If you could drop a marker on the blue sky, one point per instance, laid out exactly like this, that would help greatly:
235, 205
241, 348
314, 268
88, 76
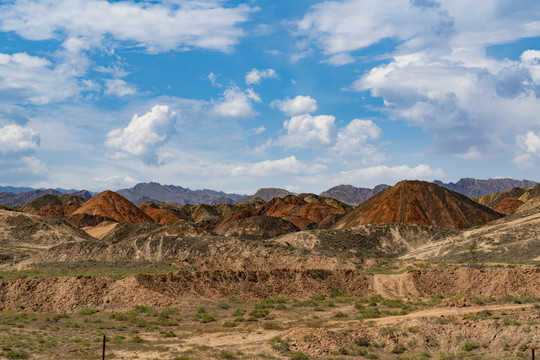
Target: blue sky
237, 95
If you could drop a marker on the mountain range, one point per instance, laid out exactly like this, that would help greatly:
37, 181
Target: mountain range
348, 194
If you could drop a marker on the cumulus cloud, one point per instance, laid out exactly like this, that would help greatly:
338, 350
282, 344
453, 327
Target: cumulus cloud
530, 142
255, 76
16, 139
305, 131
143, 135
17, 161
438, 76
297, 106
289, 165
154, 26
352, 139
118, 87
236, 104
26, 79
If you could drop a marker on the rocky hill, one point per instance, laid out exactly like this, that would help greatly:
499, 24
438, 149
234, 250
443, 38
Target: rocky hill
23, 234
267, 194
422, 203
353, 195
521, 193
175, 195
112, 205
508, 205
474, 187
257, 227
53, 204
291, 208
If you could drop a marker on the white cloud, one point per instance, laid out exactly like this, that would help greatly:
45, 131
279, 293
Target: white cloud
118, 87
341, 59
289, 165
297, 106
530, 142
213, 80
352, 139
439, 77
156, 27
143, 135
255, 76
113, 182
374, 175
236, 104
259, 130
15, 139
32, 79
305, 131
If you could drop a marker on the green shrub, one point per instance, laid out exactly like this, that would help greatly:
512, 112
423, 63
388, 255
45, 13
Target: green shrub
239, 312
469, 346
137, 339
17, 354
298, 355
88, 311
399, 349
223, 305
230, 323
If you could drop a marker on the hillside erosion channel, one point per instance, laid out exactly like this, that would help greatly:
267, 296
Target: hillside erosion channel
60, 294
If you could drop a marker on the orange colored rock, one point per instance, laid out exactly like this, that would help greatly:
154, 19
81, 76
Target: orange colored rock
508, 205
114, 206
419, 202
160, 216
290, 208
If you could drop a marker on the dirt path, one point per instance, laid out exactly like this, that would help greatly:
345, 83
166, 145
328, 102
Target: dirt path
451, 311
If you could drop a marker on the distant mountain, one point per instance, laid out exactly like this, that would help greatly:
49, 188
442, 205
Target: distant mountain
352, 195
267, 194
176, 195
11, 199
422, 203
15, 190
474, 188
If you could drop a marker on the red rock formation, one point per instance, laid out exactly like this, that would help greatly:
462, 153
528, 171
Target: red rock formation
58, 211
160, 216
508, 205
422, 203
114, 206
290, 208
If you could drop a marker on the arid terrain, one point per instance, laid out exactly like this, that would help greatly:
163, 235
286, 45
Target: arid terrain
417, 271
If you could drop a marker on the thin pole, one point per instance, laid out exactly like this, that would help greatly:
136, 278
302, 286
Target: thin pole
104, 339
532, 354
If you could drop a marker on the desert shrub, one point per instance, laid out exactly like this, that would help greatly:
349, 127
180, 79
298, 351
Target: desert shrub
271, 325
387, 330
339, 314
399, 349
318, 297
207, 318
413, 329
230, 323
169, 334
259, 313
239, 312
17, 354
361, 341
469, 346
137, 339
298, 355
223, 305
148, 310
279, 344
224, 354
88, 311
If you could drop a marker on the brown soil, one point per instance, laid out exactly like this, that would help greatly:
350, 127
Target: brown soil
508, 205
99, 231
68, 294
160, 216
58, 211
422, 203
114, 206
291, 208
256, 227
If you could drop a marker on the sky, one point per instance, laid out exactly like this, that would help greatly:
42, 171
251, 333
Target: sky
239, 95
